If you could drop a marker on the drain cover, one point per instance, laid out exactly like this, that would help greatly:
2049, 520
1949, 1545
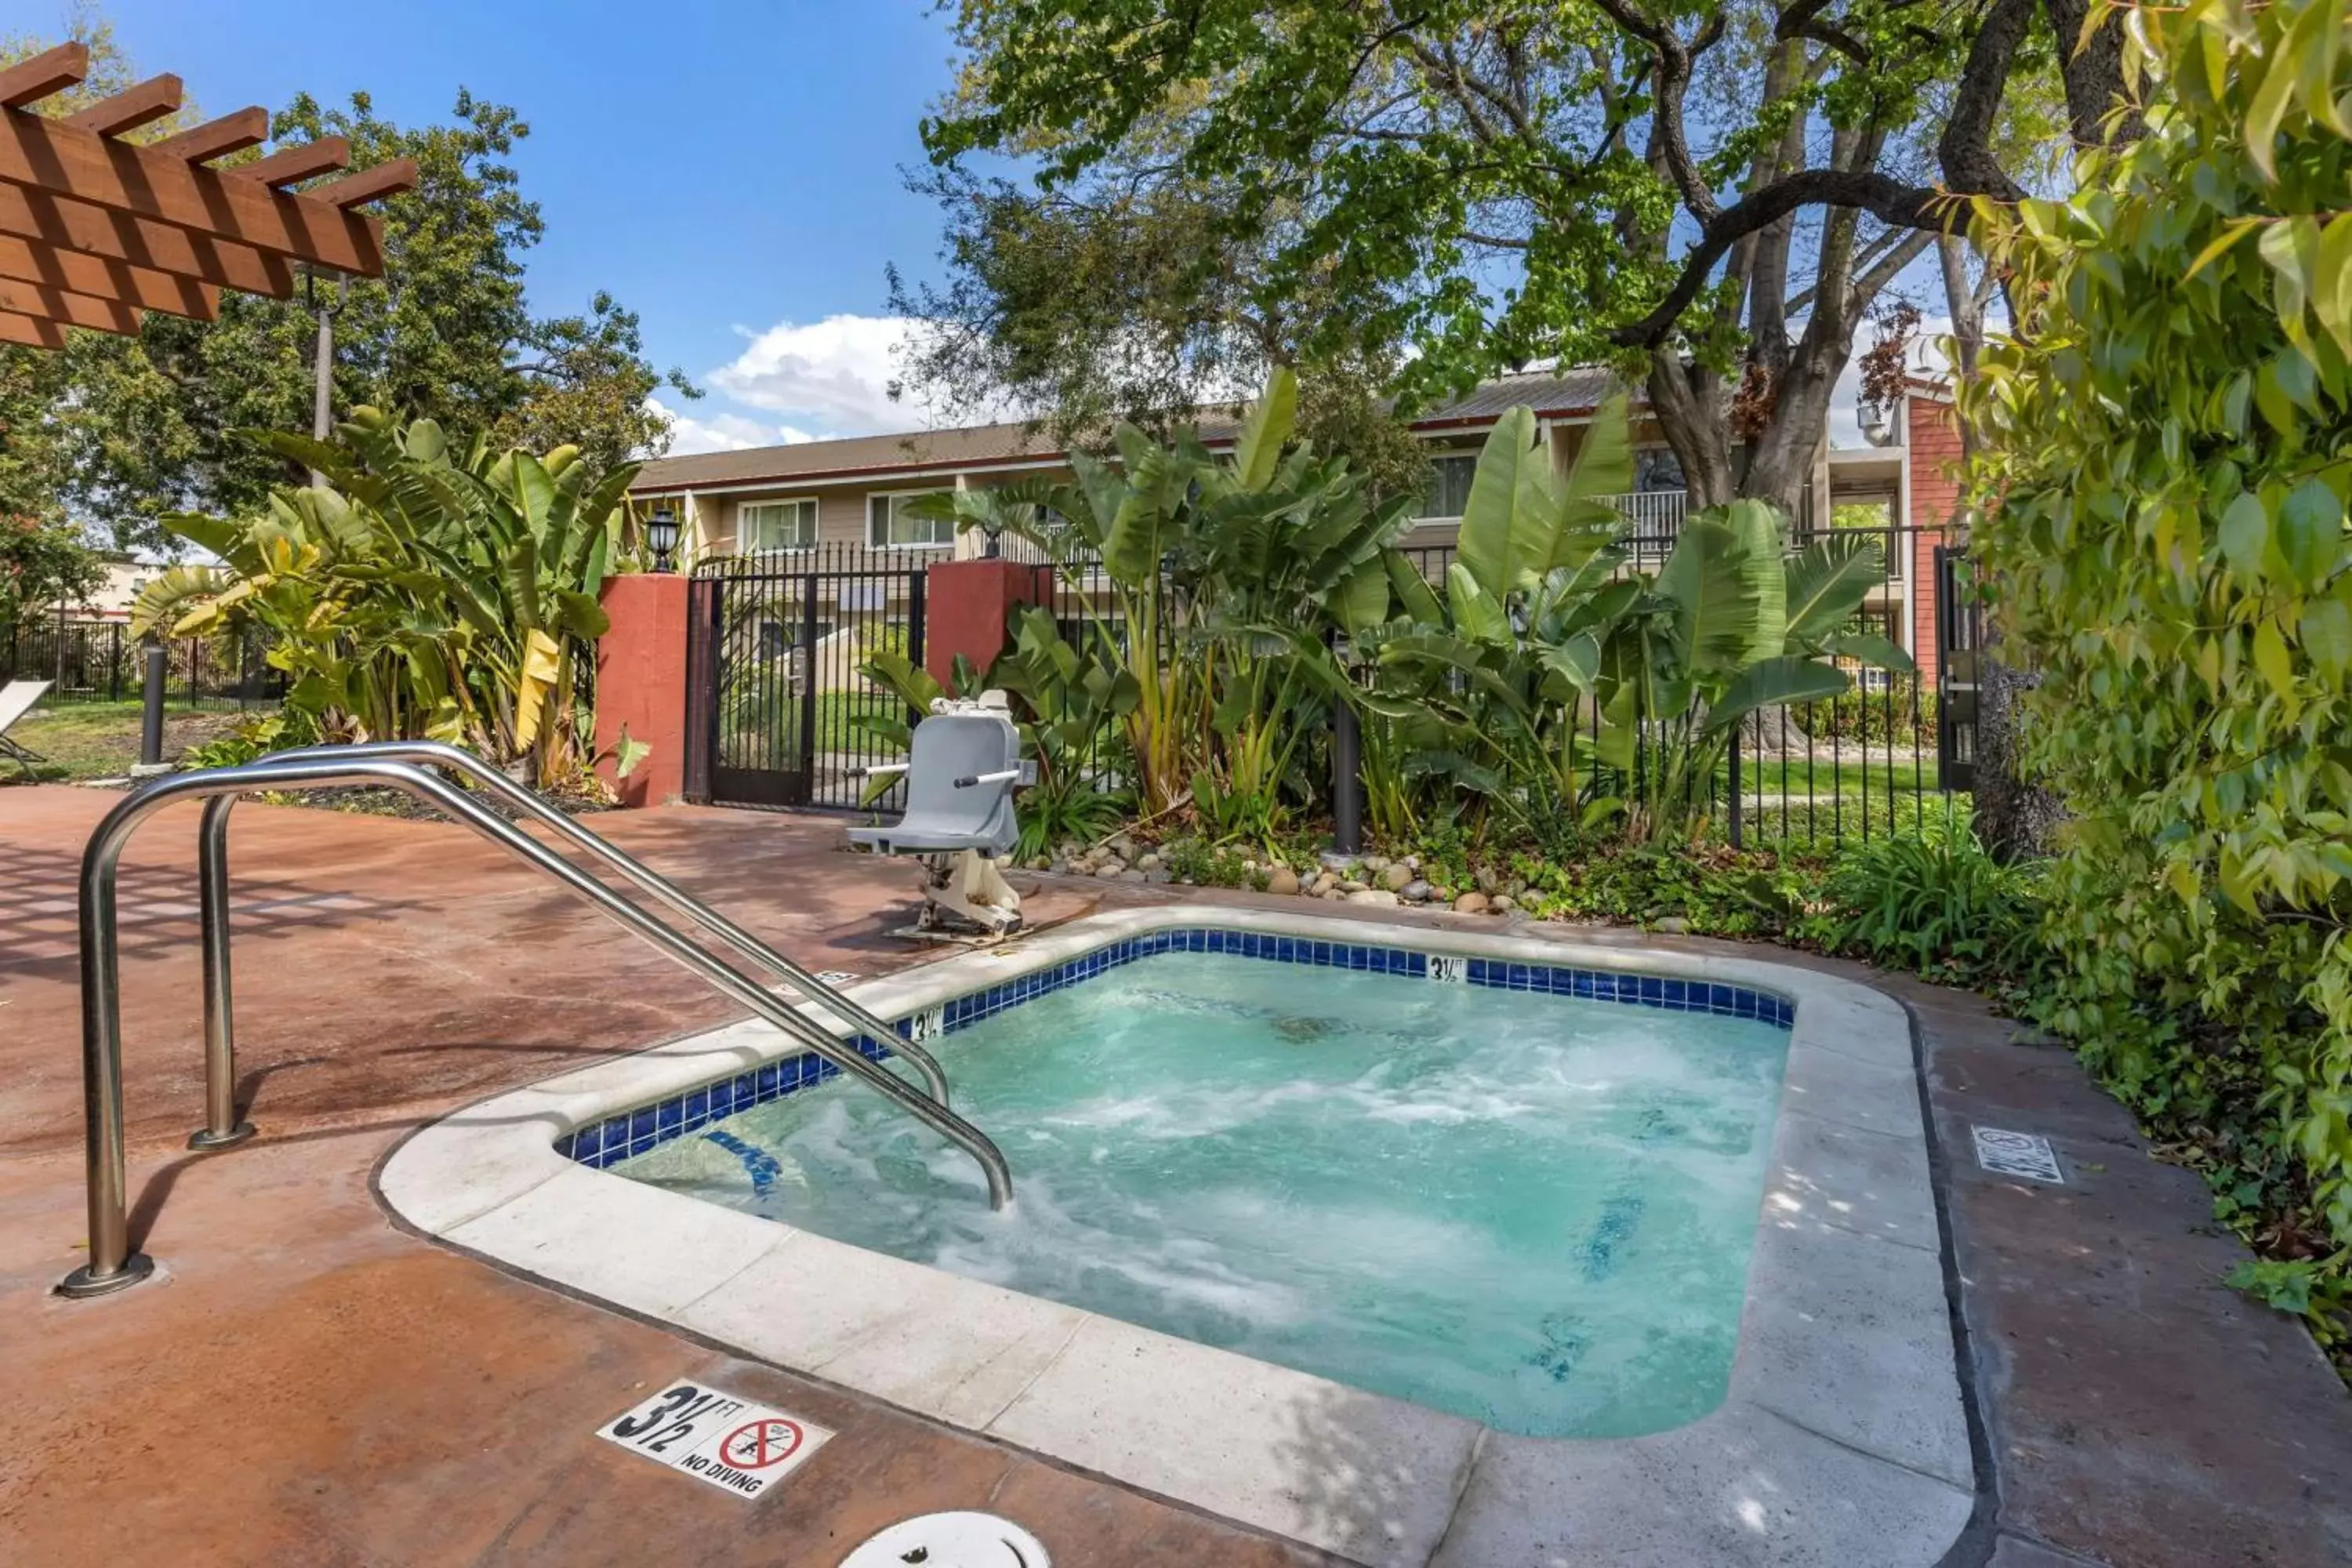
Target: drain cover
951, 1540
2025, 1155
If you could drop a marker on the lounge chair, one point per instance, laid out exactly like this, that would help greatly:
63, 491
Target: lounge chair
961, 771
16, 700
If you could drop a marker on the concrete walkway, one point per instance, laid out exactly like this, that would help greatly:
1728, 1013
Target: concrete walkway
312, 1385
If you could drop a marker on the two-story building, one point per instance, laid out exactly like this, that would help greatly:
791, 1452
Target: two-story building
828, 498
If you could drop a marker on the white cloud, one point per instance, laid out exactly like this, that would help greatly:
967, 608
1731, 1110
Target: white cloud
832, 376
722, 432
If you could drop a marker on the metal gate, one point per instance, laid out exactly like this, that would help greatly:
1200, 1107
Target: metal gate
1959, 633
777, 712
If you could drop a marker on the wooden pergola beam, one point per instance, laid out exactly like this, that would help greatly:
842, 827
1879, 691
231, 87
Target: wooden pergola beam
385, 179
30, 261
81, 165
292, 165
143, 242
43, 303
31, 332
217, 138
53, 70
132, 108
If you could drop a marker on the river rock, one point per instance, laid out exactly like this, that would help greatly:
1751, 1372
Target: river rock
1375, 863
1379, 898
1150, 861
1488, 881
1672, 925
1501, 903
1157, 876
1416, 892
1282, 879
1326, 883
1353, 885
1395, 876
1471, 903
1110, 868
1331, 895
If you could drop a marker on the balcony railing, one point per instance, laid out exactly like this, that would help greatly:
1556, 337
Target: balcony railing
1655, 518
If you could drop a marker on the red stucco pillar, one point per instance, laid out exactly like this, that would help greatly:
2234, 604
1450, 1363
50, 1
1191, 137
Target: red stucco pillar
641, 684
964, 606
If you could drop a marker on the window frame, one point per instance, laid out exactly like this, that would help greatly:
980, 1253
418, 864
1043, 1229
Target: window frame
1444, 453
743, 525
894, 496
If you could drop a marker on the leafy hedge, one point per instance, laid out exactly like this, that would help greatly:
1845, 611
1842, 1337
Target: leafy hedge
2167, 450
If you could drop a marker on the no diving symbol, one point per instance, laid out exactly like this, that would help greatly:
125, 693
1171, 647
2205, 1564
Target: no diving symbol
760, 1444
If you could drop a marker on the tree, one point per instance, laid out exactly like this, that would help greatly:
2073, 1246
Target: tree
1134, 300
151, 426
1712, 198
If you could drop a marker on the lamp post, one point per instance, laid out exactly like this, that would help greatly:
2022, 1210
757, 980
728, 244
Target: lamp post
661, 536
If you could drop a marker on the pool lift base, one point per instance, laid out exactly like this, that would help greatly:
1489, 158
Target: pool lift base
965, 899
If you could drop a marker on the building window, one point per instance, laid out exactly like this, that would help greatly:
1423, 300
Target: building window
1657, 468
889, 527
1448, 495
770, 525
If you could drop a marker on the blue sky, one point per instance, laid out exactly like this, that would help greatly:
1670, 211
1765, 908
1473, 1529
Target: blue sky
729, 170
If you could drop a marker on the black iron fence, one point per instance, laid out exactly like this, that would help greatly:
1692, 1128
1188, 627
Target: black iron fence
101, 661
784, 713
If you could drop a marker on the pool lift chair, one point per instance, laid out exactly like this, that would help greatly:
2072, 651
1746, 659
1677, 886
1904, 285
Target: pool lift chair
961, 769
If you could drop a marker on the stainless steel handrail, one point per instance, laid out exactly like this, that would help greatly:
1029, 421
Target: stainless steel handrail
112, 1265
212, 858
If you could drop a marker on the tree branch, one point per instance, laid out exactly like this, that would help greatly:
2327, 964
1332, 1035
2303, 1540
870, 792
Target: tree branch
1673, 74
1965, 149
1882, 195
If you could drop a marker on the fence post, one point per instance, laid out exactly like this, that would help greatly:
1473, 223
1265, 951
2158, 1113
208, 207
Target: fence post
806, 750
1735, 728
114, 666
1347, 784
150, 718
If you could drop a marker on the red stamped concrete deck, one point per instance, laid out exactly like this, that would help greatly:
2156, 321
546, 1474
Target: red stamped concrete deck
312, 1385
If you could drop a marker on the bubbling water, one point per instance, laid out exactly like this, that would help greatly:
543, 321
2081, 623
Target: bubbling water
1525, 1209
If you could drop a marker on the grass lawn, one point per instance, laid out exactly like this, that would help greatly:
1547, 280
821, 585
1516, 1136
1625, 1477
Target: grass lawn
101, 739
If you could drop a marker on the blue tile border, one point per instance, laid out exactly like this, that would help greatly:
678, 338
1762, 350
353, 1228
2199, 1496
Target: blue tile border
633, 1132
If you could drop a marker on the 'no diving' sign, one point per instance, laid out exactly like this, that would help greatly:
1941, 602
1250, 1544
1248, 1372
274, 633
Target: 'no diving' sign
736, 1445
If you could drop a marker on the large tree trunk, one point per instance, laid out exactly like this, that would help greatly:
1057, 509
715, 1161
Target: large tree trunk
1689, 402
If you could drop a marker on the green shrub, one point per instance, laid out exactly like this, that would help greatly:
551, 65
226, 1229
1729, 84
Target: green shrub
253, 738
2162, 464
1209, 865
1941, 908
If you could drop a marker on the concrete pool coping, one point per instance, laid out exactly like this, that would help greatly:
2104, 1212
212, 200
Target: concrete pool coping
1842, 1438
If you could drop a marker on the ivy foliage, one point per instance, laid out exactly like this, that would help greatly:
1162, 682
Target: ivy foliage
2166, 456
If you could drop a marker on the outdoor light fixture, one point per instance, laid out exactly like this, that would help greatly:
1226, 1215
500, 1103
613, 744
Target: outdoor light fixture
992, 526
661, 536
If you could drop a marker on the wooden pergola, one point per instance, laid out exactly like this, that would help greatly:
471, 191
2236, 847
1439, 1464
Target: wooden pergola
95, 231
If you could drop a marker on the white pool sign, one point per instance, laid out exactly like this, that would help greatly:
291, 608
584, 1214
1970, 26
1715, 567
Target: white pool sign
733, 1443
2027, 1155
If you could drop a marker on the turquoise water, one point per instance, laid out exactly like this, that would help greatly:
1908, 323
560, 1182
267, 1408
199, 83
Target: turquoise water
1530, 1210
